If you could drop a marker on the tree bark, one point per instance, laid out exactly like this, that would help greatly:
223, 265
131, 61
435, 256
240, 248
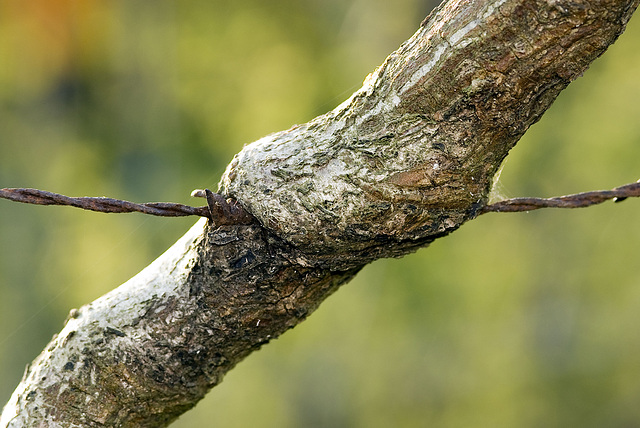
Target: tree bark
406, 160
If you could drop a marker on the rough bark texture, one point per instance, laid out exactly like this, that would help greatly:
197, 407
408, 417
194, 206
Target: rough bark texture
412, 155
407, 159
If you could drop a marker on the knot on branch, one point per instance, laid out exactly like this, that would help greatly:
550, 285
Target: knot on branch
223, 211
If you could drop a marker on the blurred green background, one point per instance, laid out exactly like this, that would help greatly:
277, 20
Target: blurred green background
515, 320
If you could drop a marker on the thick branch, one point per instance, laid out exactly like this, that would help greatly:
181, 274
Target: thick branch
406, 159
412, 155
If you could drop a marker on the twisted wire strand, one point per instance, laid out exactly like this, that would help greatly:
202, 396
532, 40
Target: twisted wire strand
219, 209
101, 204
577, 200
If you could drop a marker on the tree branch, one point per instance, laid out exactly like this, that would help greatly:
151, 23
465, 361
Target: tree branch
412, 155
407, 159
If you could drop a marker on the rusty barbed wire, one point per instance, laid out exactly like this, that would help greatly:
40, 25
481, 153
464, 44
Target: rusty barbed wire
577, 200
102, 204
222, 211
219, 210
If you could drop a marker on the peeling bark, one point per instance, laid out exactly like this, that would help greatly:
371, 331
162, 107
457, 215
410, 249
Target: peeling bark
407, 159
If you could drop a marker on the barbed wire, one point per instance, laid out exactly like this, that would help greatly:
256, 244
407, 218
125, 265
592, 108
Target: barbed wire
101, 204
223, 211
577, 200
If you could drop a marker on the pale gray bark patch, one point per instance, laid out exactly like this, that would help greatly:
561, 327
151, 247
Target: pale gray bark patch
149, 350
100, 329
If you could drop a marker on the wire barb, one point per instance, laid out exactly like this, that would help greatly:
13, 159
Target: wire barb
223, 211
577, 200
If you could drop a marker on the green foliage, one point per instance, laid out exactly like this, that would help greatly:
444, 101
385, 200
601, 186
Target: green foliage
520, 320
